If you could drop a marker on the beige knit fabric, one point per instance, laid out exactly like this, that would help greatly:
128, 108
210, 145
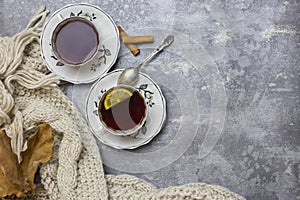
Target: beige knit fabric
29, 95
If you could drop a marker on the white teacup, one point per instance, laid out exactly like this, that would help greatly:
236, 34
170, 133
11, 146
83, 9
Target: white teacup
75, 41
125, 117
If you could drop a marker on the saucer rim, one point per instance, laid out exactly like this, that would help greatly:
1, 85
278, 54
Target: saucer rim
62, 77
162, 122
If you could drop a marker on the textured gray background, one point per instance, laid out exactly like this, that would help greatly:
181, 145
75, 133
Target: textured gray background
255, 45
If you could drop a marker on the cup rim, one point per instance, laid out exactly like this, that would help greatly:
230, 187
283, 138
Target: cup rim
123, 132
56, 30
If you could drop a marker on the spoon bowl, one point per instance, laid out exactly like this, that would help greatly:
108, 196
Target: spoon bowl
130, 75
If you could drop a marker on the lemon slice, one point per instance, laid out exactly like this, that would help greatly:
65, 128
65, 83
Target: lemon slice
116, 96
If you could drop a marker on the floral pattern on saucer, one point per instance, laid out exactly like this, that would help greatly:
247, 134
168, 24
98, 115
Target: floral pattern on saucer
90, 16
107, 53
155, 118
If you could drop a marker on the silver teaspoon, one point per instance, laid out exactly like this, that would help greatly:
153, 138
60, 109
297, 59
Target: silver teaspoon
130, 75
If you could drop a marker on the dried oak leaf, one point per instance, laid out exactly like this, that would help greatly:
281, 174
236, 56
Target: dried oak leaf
17, 178
10, 174
39, 150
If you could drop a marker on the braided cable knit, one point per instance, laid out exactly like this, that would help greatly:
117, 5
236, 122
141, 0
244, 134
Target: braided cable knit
29, 95
6, 105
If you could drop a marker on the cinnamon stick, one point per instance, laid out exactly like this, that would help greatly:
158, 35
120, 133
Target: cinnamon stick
132, 47
137, 39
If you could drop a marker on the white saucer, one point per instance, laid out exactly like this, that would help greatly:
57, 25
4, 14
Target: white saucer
109, 41
156, 112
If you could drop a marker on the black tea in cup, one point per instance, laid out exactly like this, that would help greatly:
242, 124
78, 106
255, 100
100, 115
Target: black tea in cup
122, 109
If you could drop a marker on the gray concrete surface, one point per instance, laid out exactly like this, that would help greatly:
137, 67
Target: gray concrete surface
255, 46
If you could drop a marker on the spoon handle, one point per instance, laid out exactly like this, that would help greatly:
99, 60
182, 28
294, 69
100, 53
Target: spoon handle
166, 42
